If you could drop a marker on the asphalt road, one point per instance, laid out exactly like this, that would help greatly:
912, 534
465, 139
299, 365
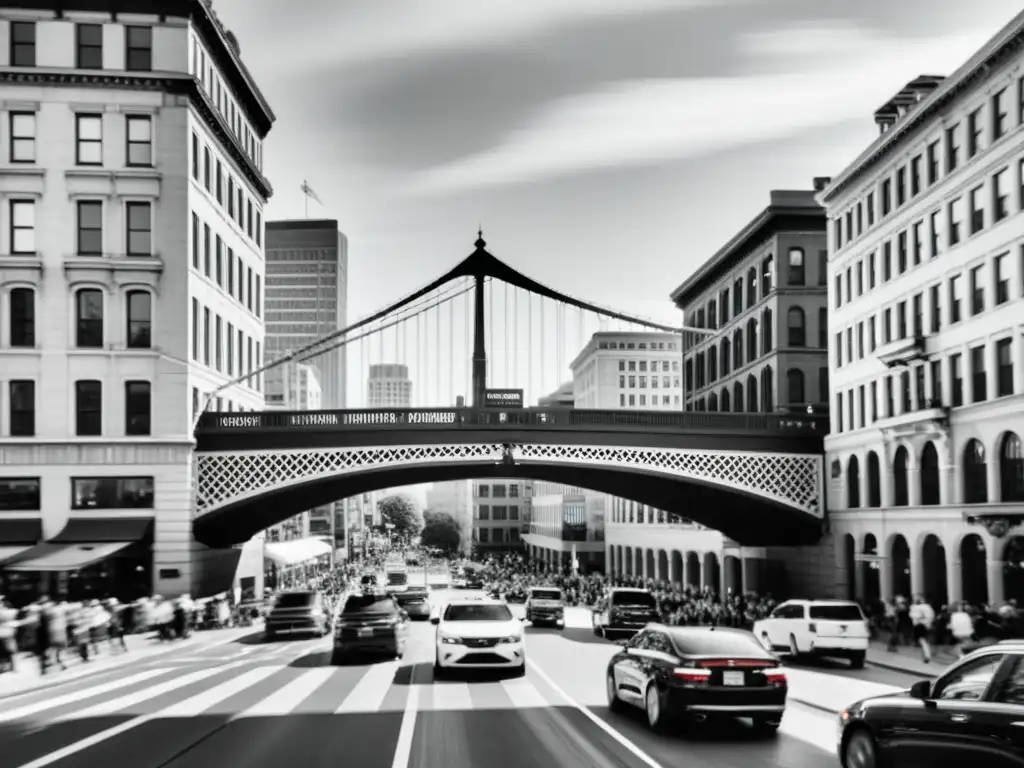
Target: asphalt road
252, 703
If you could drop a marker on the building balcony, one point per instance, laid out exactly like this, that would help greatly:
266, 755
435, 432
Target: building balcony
931, 419
902, 352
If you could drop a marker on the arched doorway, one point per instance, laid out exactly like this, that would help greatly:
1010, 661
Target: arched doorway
692, 569
1013, 569
933, 571
901, 477
874, 480
869, 569
850, 565
677, 567
853, 483
628, 570
733, 575
662, 565
929, 475
974, 569
712, 572
638, 563
649, 571
899, 566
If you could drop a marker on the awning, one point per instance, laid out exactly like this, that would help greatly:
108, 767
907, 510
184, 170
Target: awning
18, 536
70, 557
296, 551
104, 530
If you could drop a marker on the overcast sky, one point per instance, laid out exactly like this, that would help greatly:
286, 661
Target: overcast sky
605, 152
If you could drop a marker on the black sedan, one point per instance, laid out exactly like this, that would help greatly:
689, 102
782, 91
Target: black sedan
973, 714
691, 674
369, 623
299, 612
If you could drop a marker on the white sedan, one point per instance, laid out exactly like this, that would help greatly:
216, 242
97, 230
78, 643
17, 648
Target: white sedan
478, 634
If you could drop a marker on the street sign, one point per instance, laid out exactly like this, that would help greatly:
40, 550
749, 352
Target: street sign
503, 398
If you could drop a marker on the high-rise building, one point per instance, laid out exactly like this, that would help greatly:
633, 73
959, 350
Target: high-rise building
926, 278
628, 370
501, 514
298, 388
132, 284
389, 386
307, 298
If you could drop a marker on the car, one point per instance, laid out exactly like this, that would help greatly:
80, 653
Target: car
478, 634
971, 714
834, 628
546, 605
415, 601
626, 611
689, 674
369, 623
298, 612
368, 582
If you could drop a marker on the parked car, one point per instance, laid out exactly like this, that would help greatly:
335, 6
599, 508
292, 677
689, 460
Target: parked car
817, 627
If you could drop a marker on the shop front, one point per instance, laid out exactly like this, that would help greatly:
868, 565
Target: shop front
293, 563
18, 536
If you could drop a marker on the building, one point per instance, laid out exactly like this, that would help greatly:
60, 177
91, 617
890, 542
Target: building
297, 388
767, 330
132, 284
925, 274
501, 512
389, 386
455, 498
307, 299
566, 528
628, 370
563, 397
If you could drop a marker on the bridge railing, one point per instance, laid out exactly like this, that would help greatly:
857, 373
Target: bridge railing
568, 419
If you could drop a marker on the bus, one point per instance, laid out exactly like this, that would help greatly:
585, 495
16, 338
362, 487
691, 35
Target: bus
396, 578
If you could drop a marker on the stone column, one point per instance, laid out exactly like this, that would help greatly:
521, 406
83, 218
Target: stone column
996, 593
859, 586
954, 576
885, 576
752, 574
916, 565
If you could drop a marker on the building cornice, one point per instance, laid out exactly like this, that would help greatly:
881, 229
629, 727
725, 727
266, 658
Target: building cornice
991, 56
180, 84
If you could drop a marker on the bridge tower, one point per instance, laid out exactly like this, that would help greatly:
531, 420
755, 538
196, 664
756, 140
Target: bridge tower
479, 325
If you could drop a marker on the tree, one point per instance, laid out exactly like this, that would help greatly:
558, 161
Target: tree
441, 530
400, 512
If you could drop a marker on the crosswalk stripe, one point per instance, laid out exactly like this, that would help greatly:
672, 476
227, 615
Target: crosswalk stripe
369, 693
286, 699
110, 706
524, 695
451, 696
484, 696
27, 710
201, 702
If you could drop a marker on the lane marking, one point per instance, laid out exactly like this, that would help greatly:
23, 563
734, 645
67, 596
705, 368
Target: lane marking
623, 740
28, 710
201, 702
403, 745
369, 693
451, 697
284, 700
524, 694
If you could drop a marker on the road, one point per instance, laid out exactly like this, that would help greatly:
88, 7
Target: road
253, 703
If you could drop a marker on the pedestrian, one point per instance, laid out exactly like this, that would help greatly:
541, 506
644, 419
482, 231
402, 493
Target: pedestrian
922, 617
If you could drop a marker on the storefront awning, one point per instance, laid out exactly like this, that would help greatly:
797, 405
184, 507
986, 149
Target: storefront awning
296, 551
84, 541
70, 557
104, 530
18, 536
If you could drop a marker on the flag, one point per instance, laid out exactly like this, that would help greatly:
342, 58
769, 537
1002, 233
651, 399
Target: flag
308, 192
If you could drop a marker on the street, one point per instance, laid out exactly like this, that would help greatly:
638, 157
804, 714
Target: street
255, 703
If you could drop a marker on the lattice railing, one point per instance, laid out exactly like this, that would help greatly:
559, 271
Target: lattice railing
225, 478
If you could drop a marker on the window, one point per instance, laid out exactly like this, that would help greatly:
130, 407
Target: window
956, 380
139, 225
954, 299
88, 408
977, 277
952, 148
22, 402
23, 227
23, 43
89, 139
979, 378
20, 494
796, 267
932, 157
1004, 367
1000, 195
795, 386
195, 156
207, 170
936, 234
1000, 115
23, 137
195, 241
88, 46
975, 130
956, 217
22, 314
195, 329
886, 197
900, 478
90, 228
1002, 282
977, 204
207, 328
796, 326
137, 407
1011, 468
935, 304
139, 333
139, 137
112, 493
915, 175
138, 49
89, 318
975, 473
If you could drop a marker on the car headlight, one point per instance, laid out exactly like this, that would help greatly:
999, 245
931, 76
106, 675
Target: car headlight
451, 640
511, 639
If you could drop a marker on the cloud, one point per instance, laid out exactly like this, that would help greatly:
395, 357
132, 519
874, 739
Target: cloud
642, 122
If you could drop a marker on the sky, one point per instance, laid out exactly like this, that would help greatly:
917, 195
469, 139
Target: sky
606, 147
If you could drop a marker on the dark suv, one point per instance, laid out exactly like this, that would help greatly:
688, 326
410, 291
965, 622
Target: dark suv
300, 612
626, 612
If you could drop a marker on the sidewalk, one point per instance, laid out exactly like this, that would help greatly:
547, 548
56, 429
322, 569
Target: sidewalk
907, 659
141, 647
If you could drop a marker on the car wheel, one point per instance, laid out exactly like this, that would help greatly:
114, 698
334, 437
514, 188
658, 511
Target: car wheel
857, 660
614, 702
439, 671
859, 751
767, 727
652, 706
337, 659
269, 636
794, 649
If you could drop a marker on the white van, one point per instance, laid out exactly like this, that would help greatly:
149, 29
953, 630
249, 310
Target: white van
816, 627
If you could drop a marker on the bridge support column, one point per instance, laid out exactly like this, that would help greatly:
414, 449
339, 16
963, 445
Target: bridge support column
173, 546
479, 335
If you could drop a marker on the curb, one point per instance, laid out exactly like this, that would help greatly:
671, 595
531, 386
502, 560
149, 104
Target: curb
903, 670
812, 705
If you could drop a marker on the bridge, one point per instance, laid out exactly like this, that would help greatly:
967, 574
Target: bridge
757, 477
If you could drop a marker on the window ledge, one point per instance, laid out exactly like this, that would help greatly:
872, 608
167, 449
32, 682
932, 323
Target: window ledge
902, 352
114, 262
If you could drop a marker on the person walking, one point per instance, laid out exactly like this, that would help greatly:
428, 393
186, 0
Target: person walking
922, 617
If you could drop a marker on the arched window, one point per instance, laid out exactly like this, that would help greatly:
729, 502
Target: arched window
795, 391
767, 342
712, 364
853, 483
796, 327
930, 475
726, 406
139, 333
900, 477
712, 402
752, 351
89, 318
752, 287
737, 397
975, 473
874, 481
22, 316
767, 389
737, 348
726, 356
767, 276
797, 274
752, 403
1011, 469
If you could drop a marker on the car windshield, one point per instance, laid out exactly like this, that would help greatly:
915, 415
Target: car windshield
836, 613
634, 600
546, 594
363, 604
295, 600
477, 613
716, 642
396, 578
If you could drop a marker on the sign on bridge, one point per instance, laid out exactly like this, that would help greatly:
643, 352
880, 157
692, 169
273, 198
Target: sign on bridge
503, 398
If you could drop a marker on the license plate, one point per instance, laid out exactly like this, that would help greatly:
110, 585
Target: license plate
732, 678
366, 633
